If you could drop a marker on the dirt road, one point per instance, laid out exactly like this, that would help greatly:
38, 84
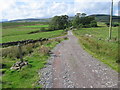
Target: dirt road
72, 67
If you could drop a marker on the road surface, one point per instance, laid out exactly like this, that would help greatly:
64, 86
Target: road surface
72, 67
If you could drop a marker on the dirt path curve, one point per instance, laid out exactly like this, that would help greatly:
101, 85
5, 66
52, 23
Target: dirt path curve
72, 67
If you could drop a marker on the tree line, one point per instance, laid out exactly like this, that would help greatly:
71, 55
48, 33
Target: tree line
78, 21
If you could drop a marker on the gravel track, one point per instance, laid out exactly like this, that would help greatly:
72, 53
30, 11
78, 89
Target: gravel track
72, 67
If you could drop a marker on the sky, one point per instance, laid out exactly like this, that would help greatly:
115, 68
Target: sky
21, 9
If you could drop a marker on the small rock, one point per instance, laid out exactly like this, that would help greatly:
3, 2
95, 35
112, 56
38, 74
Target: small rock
91, 86
92, 70
64, 77
55, 78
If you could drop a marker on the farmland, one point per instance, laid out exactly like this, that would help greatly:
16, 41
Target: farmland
95, 41
37, 26
93, 38
15, 24
21, 32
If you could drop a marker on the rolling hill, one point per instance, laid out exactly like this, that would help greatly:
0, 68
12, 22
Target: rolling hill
98, 17
31, 20
105, 18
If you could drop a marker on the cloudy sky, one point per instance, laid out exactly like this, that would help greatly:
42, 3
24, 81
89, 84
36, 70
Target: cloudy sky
20, 9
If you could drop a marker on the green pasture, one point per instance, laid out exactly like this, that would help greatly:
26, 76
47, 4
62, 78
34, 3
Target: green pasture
50, 34
22, 32
34, 26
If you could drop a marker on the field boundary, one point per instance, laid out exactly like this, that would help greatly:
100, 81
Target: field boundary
28, 41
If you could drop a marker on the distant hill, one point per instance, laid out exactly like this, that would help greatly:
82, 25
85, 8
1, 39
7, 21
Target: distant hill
3, 20
102, 18
31, 20
98, 17
105, 18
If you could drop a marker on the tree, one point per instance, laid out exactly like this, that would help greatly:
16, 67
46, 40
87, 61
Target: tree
76, 21
84, 21
83, 14
93, 23
59, 22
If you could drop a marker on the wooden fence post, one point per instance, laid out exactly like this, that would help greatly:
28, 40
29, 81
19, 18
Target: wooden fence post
20, 52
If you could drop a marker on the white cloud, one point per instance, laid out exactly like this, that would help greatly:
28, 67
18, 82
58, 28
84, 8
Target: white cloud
4, 4
18, 9
85, 1
23, 9
95, 7
60, 9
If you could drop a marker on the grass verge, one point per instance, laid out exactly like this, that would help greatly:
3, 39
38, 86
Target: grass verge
94, 41
27, 77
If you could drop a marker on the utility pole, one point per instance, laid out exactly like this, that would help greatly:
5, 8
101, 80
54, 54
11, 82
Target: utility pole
110, 26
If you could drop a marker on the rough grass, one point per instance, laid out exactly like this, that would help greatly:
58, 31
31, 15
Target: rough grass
27, 77
95, 41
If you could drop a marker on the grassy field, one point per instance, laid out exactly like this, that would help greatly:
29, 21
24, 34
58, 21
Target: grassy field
16, 24
22, 32
27, 77
95, 41
32, 36
35, 54
31, 26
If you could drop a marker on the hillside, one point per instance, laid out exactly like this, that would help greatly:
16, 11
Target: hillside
31, 20
102, 17
105, 18
98, 17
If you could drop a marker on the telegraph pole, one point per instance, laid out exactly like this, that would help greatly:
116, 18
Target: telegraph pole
110, 26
